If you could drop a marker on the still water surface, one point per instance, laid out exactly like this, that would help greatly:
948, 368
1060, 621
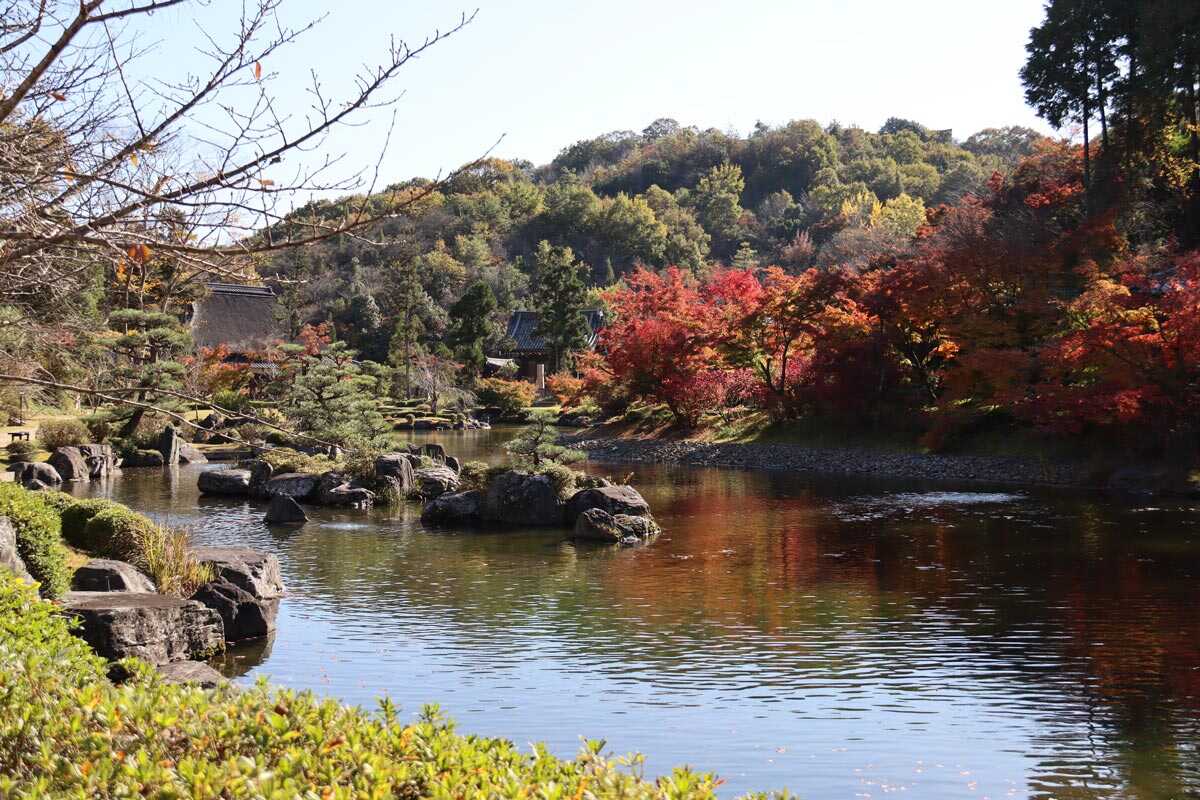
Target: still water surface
838, 639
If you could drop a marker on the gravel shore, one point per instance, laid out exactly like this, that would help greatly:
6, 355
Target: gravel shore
836, 461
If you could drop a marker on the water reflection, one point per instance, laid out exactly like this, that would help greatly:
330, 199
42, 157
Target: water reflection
838, 639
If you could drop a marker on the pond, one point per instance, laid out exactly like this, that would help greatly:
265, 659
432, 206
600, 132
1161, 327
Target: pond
837, 639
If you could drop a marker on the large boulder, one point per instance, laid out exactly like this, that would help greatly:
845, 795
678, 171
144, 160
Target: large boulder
144, 458
398, 466
25, 472
613, 499
101, 460
243, 615
460, 508
193, 672
234, 482
515, 498
190, 454
261, 473
293, 484
597, 525
436, 481
153, 627
168, 444
251, 570
436, 452
335, 489
284, 510
10, 559
107, 575
71, 464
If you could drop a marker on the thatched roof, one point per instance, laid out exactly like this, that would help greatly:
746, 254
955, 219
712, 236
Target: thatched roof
522, 327
240, 317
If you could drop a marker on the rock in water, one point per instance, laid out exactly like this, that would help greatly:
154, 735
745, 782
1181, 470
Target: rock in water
597, 525
293, 484
284, 510
168, 444
225, 481
435, 481
27, 471
461, 508
514, 498
101, 460
252, 570
336, 490
195, 672
152, 627
436, 452
144, 458
398, 466
106, 575
613, 499
243, 616
454, 464
190, 454
71, 464
10, 559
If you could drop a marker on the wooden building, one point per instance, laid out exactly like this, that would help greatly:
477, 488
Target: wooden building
530, 352
242, 318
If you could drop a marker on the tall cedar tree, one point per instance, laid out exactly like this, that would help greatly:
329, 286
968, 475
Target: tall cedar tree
560, 300
471, 326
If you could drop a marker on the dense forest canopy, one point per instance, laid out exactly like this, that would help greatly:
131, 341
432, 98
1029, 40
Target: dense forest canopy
899, 277
798, 195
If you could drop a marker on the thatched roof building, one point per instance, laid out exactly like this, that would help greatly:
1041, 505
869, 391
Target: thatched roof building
240, 317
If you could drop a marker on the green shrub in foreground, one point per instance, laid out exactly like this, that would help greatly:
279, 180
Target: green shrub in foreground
116, 532
78, 735
76, 516
39, 538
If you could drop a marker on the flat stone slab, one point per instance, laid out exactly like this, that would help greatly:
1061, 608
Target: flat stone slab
153, 627
252, 571
106, 575
234, 482
293, 484
195, 672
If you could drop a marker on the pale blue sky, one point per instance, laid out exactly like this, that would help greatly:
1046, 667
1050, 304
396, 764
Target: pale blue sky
545, 74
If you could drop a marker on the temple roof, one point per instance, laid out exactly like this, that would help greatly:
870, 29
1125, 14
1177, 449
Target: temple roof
239, 317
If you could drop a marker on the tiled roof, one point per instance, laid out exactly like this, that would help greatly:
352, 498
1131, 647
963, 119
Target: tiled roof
239, 317
522, 327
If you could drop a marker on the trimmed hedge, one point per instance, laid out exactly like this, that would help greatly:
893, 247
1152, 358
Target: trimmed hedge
77, 735
116, 532
76, 516
39, 537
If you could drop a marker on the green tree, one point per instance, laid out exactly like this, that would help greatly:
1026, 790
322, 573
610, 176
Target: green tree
145, 347
331, 398
414, 312
471, 325
717, 200
560, 300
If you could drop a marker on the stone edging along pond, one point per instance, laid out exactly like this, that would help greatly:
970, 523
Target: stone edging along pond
867, 463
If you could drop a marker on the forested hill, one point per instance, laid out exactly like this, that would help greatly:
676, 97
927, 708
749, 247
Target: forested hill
797, 195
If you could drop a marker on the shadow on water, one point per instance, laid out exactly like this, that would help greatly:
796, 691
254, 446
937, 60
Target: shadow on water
837, 638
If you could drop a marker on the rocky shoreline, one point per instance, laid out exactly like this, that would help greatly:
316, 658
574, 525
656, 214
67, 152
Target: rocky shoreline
866, 463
